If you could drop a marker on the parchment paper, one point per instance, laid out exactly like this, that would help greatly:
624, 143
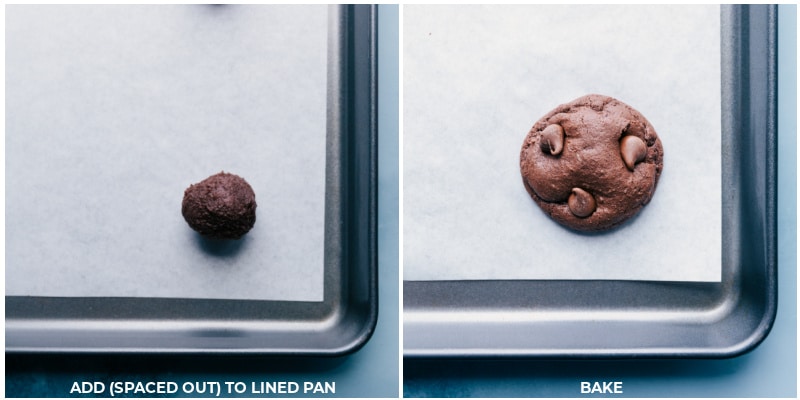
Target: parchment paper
475, 80
112, 111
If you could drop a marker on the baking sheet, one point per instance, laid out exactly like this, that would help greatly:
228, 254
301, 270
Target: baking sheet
339, 324
112, 111
476, 78
635, 319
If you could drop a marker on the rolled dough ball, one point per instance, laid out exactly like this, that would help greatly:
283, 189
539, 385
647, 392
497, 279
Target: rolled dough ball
222, 206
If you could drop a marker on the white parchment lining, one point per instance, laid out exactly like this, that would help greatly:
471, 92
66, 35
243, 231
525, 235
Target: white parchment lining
475, 80
112, 111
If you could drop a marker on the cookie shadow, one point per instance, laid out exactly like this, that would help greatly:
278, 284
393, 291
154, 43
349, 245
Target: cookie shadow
608, 231
222, 248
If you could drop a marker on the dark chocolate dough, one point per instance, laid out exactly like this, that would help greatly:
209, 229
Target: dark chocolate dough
222, 206
592, 163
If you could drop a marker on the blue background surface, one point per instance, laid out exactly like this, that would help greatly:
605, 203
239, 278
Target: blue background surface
373, 371
768, 371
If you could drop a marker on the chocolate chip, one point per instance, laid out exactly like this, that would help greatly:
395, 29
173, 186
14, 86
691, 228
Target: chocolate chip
552, 139
633, 150
221, 206
581, 203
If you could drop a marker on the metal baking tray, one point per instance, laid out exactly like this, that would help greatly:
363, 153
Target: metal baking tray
631, 319
341, 323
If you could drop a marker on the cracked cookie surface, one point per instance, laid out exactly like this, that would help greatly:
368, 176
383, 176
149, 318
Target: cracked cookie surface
592, 163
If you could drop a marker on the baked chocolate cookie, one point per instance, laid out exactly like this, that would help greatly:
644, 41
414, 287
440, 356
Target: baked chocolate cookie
222, 206
592, 163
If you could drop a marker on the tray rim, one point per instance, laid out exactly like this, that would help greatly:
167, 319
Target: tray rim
340, 324
430, 306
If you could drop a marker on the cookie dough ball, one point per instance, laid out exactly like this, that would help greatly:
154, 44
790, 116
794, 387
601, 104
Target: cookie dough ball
592, 163
222, 206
